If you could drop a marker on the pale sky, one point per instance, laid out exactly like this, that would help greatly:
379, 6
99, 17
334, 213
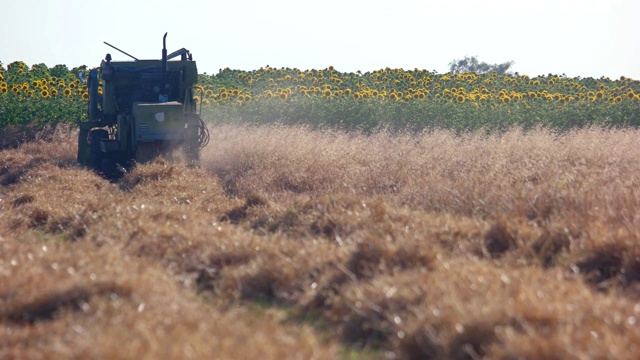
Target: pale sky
585, 38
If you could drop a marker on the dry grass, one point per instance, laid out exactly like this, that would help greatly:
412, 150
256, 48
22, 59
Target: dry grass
504, 246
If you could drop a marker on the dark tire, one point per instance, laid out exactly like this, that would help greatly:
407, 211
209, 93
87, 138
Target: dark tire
96, 153
109, 169
147, 151
192, 152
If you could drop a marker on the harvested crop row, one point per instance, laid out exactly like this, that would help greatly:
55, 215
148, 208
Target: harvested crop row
504, 246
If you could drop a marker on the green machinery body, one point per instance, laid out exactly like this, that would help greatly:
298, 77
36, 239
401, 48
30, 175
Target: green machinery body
145, 108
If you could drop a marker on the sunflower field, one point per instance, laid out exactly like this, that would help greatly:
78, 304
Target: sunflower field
40, 94
388, 98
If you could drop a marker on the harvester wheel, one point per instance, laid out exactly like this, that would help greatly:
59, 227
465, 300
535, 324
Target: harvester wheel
147, 152
192, 152
96, 153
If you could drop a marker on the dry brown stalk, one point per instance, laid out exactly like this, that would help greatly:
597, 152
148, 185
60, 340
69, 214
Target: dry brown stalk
293, 243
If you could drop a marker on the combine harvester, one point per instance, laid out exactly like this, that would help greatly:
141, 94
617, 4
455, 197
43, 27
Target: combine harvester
146, 108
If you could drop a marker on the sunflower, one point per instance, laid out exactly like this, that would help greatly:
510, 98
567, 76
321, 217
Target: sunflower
347, 91
600, 94
67, 92
326, 93
3, 90
460, 99
44, 93
356, 96
618, 99
283, 96
224, 95
505, 99
85, 96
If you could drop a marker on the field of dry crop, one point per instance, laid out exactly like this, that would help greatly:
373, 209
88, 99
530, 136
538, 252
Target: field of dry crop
290, 243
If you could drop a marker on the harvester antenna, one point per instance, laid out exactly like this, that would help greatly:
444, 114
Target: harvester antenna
129, 55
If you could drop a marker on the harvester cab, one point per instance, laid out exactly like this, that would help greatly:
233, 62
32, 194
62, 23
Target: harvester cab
140, 109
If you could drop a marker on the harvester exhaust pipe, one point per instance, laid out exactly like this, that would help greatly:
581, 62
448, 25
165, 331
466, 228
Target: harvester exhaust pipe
165, 70
164, 53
